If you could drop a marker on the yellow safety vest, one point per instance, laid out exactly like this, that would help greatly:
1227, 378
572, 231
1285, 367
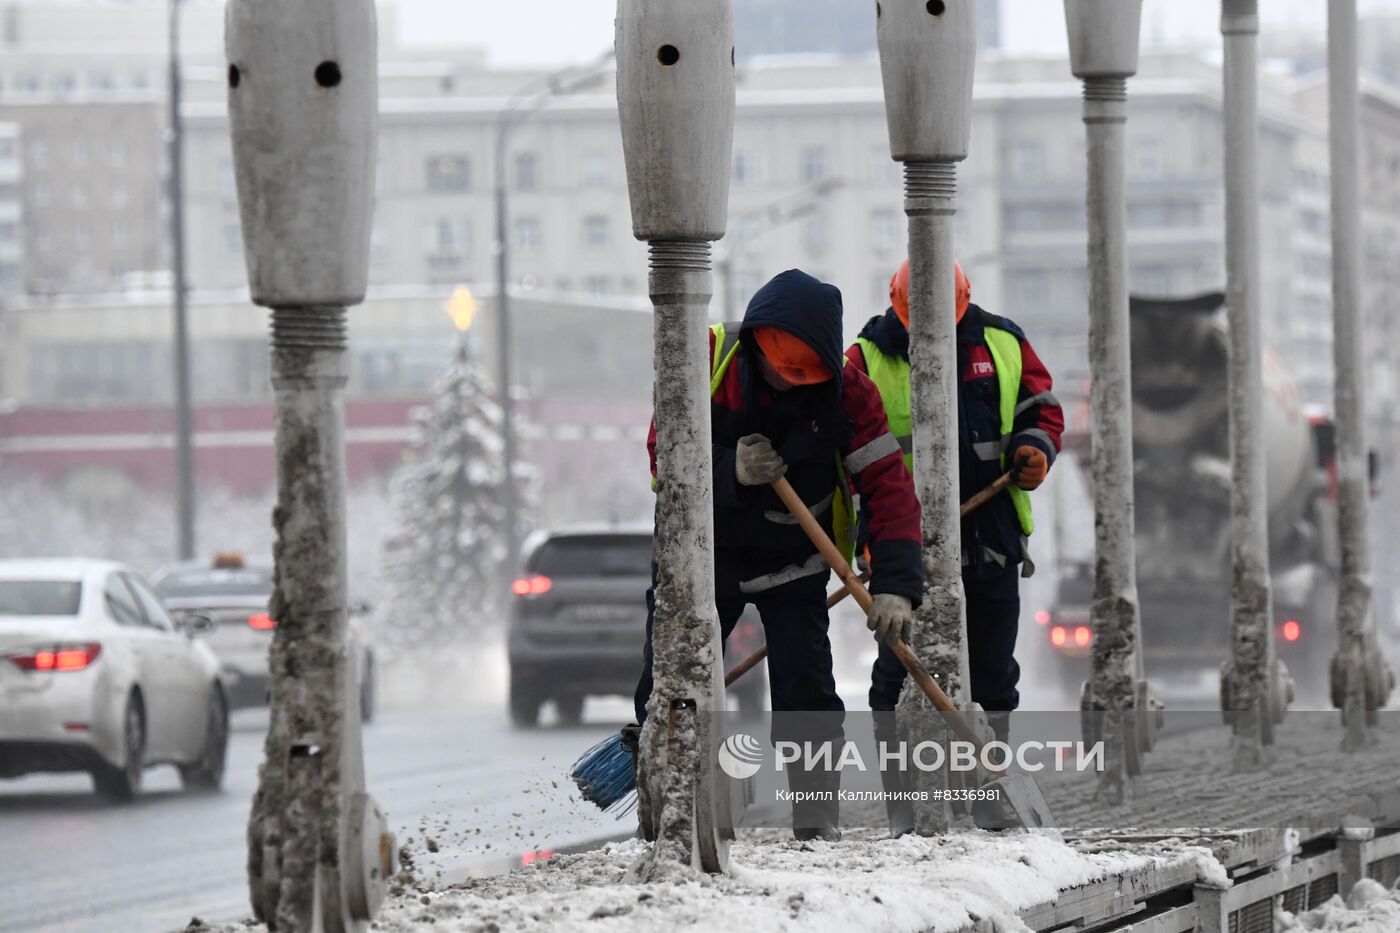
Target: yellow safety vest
843, 525
891, 376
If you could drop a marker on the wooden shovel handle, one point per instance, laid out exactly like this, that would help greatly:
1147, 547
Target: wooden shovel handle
834, 558
978, 499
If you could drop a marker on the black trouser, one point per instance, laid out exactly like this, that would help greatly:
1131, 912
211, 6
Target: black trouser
795, 624
993, 614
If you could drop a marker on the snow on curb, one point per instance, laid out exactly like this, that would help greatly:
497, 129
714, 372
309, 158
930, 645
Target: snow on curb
1369, 908
940, 885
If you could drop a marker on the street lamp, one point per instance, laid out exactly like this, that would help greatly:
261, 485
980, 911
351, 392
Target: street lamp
525, 102
184, 441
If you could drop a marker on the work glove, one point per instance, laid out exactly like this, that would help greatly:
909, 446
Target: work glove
1029, 467
756, 463
891, 617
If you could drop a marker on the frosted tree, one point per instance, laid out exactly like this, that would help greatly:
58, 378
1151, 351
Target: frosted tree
446, 561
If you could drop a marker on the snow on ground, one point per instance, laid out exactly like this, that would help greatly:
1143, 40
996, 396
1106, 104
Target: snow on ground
939, 885
1369, 908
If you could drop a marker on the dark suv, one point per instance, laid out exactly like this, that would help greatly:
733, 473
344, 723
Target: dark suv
578, 621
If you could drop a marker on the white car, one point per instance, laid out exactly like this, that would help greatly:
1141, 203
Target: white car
95, 677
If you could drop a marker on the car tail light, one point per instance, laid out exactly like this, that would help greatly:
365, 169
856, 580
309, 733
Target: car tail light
538, 855
535, 585
1043, 617
1292, 631
57, 658
262, 621
1058, 636
1083, 635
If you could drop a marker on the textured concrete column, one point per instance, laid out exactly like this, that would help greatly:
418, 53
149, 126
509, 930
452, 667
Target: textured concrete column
1359, 674
675, 94
1246, 676
940, 638
302, 83
927, 56
1103, 53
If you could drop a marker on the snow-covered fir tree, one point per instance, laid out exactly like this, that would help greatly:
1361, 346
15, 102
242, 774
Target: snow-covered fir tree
446, 559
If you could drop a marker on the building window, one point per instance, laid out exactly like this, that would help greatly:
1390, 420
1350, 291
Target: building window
596, 285
815, 236
449, 173
1026, 160
526, 172
80, 196
812, 166
80, 153
528, 235
101, 80
119, 196
450, 235
228, 184
43, 194
39, 153
883, 167
1029, 288
82, 234
747, 170
120, 233
884, 229
7, 149
595, 170
116, 153
1147, 158
595, 231
8, 232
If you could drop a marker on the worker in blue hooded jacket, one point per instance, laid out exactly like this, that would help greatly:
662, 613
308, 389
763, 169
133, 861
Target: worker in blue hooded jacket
784, 404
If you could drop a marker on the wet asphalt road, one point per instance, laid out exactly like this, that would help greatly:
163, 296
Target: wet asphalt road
483, 792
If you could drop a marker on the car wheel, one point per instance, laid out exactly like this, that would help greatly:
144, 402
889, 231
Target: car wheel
524, 706
123, 782
367, 691
207, 773
570, 708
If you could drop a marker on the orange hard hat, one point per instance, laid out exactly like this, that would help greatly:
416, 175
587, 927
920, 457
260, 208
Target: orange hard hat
796, 362
899, 292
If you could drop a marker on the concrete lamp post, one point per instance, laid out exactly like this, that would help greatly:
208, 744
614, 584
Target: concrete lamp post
927, 54
675, 97
1255, 688
1361, 681
302, 97
1103, 43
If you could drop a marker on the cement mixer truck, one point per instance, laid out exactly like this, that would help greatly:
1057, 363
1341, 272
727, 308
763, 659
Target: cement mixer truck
1182, 491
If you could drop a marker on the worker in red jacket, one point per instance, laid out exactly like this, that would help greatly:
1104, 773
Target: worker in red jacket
1008, 419
783, 404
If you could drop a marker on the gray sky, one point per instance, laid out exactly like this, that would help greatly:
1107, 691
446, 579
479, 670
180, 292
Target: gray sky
534, 32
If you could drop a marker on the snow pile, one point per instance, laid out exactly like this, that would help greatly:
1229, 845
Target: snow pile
932, 884
1369, 909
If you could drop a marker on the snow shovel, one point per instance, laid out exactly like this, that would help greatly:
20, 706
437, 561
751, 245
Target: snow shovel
968, 507
1019, 791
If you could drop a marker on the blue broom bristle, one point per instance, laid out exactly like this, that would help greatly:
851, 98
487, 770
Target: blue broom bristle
604, 776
